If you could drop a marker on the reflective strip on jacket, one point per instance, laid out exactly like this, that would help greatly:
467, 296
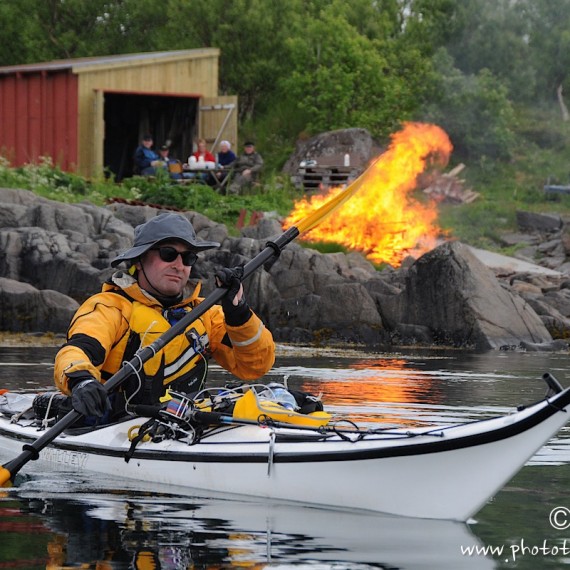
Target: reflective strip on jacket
110, 326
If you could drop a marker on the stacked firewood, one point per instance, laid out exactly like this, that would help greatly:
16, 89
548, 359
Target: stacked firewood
447, 187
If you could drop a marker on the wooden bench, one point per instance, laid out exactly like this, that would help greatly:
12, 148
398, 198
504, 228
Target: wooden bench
324, 177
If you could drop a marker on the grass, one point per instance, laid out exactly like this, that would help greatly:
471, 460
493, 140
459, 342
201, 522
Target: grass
45, 180
542, 156
504, 187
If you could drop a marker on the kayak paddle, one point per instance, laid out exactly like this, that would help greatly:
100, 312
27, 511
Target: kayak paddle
270, 252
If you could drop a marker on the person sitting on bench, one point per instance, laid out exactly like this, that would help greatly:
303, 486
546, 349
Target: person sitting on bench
146, 159
245, 169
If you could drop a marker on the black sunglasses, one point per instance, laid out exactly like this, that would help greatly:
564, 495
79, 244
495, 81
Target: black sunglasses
169, 254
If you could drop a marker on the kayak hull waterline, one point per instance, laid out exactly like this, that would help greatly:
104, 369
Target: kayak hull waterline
448, 472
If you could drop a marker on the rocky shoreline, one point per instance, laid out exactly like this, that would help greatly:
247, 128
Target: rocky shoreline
54, 255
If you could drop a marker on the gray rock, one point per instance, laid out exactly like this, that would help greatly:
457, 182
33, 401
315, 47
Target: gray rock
25, 309
330, 148
518, 238
533, 222
344, 312
45, 260
266, 228
553, 262
13, 215
553, 346
17, 196
551, 247
450, 291
560, 300
412, 335
526, 290
54, 255
377, 284
527, 254
556, 323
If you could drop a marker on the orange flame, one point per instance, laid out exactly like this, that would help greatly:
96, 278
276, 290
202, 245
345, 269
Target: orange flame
382, 219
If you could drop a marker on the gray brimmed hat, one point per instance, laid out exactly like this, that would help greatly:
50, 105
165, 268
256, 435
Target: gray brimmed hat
163, 227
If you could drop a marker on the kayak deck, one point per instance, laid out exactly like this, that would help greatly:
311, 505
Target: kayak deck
443, 472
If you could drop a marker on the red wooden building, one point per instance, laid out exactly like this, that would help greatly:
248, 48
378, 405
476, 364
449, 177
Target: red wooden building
88, 114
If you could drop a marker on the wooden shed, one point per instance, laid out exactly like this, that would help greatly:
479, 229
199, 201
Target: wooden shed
89, 114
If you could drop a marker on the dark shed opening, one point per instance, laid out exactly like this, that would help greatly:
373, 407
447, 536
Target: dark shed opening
170, 119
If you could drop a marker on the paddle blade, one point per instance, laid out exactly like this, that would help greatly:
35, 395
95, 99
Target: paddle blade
5, 477
316, 217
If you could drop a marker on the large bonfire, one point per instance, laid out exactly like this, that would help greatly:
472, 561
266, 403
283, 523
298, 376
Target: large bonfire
383, 219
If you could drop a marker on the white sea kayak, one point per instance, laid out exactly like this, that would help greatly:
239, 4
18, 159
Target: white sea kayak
446, 472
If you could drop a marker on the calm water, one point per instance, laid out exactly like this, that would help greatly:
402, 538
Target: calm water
54, 521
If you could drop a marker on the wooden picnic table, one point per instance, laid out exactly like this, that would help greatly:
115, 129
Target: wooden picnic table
198, 177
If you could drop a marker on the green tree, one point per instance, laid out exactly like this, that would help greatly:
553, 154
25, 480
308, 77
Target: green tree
549, 44
42, 30
474, 110
20, 33
250, 35
428, 24
525, 43
342, 79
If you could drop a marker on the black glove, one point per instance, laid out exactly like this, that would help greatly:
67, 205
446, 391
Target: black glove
88, 396
239, 314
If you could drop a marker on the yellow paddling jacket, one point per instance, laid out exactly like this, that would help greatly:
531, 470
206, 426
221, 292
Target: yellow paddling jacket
112, 325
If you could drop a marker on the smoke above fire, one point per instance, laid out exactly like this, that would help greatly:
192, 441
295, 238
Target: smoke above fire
383, 219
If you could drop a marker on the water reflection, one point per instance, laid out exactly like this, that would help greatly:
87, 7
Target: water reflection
27, 368
363, 384
55, 520
142, 530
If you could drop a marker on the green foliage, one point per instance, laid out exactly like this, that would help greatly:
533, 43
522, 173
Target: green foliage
272, 196
494, 36
549, 44
343, 79
276, 129
300, 67
506, 187
431, 24
474, 110
250, 34
50, 182
66, 186
43, 30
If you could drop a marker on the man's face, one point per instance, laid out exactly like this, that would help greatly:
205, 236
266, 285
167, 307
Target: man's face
166, 278
248, 149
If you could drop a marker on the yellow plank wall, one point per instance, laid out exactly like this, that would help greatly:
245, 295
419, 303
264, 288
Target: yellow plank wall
212, 121
195, 74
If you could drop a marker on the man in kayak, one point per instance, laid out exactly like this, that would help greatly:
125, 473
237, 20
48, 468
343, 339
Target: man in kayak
137, 305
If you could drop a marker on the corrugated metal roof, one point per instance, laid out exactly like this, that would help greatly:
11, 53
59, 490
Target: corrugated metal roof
83, 64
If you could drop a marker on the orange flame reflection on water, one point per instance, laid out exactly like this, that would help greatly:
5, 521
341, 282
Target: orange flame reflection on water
395, 382
382, 219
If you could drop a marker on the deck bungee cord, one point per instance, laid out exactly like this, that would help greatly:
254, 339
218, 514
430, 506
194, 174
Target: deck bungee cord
438, 472
266, 258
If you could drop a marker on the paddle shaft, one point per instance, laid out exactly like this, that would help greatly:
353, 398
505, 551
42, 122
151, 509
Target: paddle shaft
271, 251
31, 451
